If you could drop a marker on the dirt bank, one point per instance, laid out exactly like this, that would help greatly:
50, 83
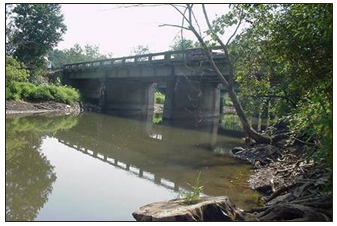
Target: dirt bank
292, 186
21, 107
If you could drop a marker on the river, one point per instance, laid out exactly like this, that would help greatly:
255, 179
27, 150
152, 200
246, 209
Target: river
97, 167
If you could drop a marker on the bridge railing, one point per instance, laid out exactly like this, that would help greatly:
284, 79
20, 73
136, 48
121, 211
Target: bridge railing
187, 55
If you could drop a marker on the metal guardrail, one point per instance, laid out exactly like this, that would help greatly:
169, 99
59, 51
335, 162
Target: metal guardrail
187, 55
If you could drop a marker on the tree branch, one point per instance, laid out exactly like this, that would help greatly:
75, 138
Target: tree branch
172, 25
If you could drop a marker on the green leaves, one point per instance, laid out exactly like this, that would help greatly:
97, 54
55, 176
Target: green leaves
30, 92
75, 54
15, 70
35, 30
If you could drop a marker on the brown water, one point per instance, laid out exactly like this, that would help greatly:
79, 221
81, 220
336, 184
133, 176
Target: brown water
95, 167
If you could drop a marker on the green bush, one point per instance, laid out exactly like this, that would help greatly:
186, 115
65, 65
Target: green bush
159, 97
15, 71
27, 90
31, 92
43, 93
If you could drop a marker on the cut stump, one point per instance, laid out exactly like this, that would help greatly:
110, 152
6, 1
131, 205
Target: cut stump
207, 209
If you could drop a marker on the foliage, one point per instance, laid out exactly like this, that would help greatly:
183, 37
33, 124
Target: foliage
159, 98
227, 100
15, 70
33, 30
140, 50
180, 43
75, 54
191, 198
313, 120
30, 92
286, 51
286, 55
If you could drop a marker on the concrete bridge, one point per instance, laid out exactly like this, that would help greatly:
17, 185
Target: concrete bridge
126, 85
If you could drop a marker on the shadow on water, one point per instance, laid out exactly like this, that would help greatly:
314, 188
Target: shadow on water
169, 154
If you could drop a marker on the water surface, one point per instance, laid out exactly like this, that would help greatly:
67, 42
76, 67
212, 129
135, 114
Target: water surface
96, 167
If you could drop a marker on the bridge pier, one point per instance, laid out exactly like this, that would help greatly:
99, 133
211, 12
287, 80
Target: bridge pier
187, 99
128, 97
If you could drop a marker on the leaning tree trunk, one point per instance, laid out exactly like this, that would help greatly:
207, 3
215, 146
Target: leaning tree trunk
227, 82
259, 138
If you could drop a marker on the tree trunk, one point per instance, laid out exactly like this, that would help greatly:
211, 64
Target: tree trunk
259, 138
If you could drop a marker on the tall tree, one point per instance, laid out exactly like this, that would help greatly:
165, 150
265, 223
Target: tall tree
35, 30
235, 17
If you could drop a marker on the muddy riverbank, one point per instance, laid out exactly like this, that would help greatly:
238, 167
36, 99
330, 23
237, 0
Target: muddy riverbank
21, 107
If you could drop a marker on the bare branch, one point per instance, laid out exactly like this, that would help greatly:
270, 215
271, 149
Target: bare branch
172, 25
181, 13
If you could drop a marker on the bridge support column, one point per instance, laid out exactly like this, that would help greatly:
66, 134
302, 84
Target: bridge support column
125, 97
186, 99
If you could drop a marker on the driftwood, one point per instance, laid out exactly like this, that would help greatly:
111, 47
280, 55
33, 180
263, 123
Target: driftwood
290, 184
294, 212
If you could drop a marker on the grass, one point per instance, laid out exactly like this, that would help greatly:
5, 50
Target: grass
192, 197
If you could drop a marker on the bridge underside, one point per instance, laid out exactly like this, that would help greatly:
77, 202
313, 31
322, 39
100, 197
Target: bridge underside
192, 91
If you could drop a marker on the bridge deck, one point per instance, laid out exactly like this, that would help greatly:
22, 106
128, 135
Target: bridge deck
188, 56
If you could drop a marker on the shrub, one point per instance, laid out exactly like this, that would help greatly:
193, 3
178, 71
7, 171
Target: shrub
43, 93
15, 71
27, 90
31, 92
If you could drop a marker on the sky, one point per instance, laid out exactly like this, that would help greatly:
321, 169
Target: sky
117, 30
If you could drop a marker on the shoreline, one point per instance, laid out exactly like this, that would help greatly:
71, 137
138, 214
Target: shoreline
21, 107
288, 183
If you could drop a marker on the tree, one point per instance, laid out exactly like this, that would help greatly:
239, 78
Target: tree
35, 29
181, 43
75, 54
235, 17
15, 71
140, 50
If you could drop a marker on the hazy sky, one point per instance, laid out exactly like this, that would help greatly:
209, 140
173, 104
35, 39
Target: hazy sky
118, 30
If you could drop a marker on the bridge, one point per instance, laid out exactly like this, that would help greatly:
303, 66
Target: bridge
126, 85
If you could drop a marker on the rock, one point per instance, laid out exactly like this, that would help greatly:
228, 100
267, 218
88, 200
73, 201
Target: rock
261, 181
207, 209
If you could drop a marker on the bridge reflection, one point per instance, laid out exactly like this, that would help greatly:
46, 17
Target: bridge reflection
125, 166
168, 156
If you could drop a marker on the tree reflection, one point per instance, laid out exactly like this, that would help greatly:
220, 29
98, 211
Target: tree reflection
29, 175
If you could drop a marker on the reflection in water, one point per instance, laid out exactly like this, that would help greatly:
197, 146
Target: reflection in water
86, 151
29, 175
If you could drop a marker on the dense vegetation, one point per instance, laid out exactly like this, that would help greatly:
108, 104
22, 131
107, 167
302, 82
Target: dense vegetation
286, 57
281, 59
32, 30
18, 87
